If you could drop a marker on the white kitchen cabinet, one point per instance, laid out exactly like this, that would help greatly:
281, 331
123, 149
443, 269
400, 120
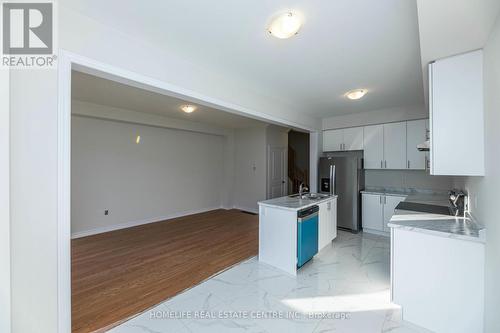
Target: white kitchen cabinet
343, 139
385, 146
377, 210
373, 143
333, 140
457, 115
395, 146
353, 138
323, 226
416, 133
332, 212
372, 212
390, 202
438, 281
327, 224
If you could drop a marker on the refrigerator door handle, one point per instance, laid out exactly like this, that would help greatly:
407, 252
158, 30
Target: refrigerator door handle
332, 179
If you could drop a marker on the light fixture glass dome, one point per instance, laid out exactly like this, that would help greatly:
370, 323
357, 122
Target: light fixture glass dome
188, 108
356, 93
285, 25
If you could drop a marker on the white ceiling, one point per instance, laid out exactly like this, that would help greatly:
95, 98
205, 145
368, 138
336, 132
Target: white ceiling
93, 89
344, 44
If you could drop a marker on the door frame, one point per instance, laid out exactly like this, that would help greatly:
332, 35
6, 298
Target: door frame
68, 61
285, 170
5, 262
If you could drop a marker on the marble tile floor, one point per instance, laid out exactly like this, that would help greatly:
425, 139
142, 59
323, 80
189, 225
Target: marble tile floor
345, 288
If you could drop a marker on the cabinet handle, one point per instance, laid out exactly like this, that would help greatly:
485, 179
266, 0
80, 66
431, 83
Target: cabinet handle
385, 199
341, 146
380, 199
381, 165
408, 164
385, 163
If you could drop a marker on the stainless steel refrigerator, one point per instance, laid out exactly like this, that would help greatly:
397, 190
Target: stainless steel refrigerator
342, 174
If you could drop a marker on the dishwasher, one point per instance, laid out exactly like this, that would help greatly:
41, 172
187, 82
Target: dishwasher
307, 234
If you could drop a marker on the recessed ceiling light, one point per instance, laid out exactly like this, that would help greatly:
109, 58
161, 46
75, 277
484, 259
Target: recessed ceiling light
138, 139
356, 93
188, 108
285, 25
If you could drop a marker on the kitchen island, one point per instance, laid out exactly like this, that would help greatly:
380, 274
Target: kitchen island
278, 232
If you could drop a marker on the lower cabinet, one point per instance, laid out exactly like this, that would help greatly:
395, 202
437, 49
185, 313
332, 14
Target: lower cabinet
327, 223
377, 210
435, 278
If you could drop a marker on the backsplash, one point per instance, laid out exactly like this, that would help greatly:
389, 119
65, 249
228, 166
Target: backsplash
407, 179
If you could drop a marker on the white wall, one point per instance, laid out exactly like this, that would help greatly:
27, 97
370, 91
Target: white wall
276, 136
169, 173
407, 179
4, 202
483, 191
33, 98
250, 168
376, 117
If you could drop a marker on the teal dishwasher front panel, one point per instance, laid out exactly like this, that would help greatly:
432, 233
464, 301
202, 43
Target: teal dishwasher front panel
307, 239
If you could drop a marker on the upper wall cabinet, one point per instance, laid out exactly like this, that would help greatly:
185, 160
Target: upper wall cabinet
343, 139
395, 146
457, 115
353, 138
333, 140
385, 146
374, 147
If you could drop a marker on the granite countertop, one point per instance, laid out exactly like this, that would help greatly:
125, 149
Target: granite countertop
293, 204
465, 228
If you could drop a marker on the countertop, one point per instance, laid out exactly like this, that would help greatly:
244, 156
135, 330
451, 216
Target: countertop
465, 228
293, 204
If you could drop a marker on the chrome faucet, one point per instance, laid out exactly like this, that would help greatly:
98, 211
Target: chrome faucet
302, 188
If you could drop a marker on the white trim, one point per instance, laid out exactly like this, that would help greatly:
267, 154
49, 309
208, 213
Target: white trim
5, 261
64, 194
376, 232
246, 209
66, 62
130, 224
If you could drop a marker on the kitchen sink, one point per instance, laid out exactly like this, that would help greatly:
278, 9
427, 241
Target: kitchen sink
310, 196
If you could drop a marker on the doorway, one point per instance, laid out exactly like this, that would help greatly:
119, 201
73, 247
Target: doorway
298, 160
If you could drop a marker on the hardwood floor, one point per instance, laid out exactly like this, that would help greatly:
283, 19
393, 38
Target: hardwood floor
121, 273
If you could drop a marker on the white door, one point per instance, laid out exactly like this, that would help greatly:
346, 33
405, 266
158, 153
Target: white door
353, 138
333, 140
276, 172
390, 203
395, 146
373, 142
415, 134
372, 212
323, 226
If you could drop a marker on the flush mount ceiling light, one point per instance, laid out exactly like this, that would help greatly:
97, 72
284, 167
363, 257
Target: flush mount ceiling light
356, 93
188, 108
285, 25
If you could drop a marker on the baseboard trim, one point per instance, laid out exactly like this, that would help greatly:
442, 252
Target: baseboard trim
100, 230
246, 209
376, 232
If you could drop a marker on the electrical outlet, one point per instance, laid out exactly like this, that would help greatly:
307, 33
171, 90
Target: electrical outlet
106, 212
